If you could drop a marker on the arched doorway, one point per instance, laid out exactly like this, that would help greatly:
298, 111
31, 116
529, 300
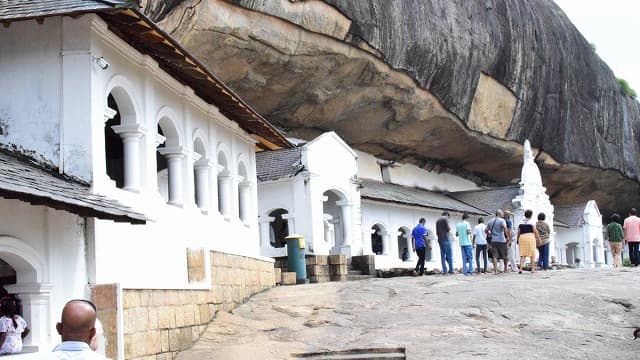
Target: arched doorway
22, 273
113, 148
278, 228
572, 253
201, 169
377, 239
404, 243
333, 218
224, 182
244, 186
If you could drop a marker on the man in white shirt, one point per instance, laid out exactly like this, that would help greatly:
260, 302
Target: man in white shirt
480, 243
77, 329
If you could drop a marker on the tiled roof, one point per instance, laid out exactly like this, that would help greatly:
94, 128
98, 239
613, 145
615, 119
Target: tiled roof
27, 9
278, 164
571, 215
488, 199
375, 190
145, 36
26, 182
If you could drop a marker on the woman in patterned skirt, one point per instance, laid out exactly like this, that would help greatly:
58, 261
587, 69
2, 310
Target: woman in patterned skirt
13, 328
527, 234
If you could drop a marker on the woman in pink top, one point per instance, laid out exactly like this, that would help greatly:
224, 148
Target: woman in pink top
632, 236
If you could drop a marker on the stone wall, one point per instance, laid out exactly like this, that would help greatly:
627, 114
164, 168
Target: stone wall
159, 323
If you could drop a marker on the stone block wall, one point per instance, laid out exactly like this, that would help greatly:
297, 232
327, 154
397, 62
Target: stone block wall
320, 268
157, 324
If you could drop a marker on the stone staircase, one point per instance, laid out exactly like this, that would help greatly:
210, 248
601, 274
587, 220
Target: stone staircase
361, 268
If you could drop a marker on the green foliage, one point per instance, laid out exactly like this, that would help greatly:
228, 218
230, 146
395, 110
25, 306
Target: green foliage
626, 89
626, 262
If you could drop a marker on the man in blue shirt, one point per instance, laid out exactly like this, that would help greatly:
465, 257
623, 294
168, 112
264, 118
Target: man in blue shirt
419, 242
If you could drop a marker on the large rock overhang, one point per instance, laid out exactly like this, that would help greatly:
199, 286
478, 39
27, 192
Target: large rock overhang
452, 101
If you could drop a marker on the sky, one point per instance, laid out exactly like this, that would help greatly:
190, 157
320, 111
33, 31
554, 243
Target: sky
613, 26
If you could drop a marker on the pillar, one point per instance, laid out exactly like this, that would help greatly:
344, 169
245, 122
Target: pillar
366, 241
244, 190
265, 237
201, 169
130, 135
345, 208
224, 193
385, 242
174, 157
35, 305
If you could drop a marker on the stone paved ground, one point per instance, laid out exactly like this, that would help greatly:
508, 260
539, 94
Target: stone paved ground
567, 314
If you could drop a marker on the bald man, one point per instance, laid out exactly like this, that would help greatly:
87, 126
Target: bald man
77, 329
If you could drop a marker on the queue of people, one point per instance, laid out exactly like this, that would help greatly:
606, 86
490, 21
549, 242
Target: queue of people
496, 240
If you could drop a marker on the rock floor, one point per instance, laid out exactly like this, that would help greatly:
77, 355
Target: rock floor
567, 314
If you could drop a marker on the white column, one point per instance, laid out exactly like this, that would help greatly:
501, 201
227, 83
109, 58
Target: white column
202, 168
174, 157
35, 306
224, 195
366, 242
265, 238
412, 255
130, 135
345, 207
244, 190
385, 242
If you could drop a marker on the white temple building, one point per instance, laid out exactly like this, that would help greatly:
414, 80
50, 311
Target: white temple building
346, 201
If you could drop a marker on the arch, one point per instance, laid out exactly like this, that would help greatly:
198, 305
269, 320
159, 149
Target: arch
167, 121
278, 227
27, 263
333, 213
200, 144
340, 193
403, 241
224, 184
377, 240
124, 94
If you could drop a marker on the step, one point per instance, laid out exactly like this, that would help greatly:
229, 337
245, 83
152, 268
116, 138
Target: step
359, 277
354, 272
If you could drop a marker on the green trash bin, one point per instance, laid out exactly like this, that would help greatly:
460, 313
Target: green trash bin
295, 257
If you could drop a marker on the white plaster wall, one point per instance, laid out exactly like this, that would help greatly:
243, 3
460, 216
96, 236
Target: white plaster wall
279, 195
392, 217
30, 74
56, 239
412, 176
335, 165
565, 236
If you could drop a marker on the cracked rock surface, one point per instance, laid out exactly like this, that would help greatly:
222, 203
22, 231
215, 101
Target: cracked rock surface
450, 85
566, 314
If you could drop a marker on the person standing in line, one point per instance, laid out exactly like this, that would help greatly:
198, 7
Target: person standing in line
632, 236
419, 244
480, 243
511, 247
497, 230
542, 242
615, 236
527, 235
13, 328
463, 232
442, 231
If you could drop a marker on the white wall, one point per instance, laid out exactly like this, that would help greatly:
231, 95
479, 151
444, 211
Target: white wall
412, 176
30, 74
57, 112
51, 244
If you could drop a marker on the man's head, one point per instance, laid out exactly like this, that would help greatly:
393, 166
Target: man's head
480, 220
422, 221
465, 216
506, 213
78, 321
445, 214
499, 213
633, 211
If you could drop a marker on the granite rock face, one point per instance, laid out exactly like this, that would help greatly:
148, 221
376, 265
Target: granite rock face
451, 85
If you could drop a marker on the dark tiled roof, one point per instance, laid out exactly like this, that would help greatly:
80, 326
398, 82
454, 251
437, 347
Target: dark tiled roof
145, 36
27, 9
571, 215
488, 199
26, 182
375, 190
278, 164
